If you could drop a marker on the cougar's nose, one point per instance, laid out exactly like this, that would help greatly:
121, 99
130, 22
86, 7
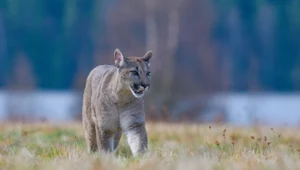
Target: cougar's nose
136, 86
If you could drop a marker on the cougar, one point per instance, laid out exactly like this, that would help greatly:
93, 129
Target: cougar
113, 104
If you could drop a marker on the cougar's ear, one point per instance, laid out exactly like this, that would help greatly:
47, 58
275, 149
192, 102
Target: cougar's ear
147, 57
119, 58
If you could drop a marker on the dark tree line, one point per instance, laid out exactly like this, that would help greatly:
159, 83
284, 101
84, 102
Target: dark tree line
200, 46
260, 41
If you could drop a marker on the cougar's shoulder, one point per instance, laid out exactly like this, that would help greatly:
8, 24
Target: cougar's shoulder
97, 74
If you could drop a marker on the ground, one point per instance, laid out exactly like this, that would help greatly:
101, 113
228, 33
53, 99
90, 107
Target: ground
172, 146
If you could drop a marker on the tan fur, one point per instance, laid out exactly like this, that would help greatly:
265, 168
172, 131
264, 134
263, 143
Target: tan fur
111, 104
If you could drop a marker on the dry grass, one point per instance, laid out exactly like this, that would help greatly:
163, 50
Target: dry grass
172, 146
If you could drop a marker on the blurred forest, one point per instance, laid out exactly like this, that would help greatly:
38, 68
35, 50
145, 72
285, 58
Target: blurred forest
200, 46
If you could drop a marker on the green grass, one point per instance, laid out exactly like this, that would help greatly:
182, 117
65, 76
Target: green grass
171, 146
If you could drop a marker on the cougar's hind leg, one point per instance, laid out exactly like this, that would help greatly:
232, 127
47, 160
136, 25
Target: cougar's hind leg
90, 137
88, 124
104, 140
117, 138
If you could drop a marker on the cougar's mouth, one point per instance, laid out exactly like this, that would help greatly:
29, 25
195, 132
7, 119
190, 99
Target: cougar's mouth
137, 92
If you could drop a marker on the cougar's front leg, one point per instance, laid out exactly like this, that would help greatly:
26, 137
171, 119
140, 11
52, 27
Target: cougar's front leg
137, 138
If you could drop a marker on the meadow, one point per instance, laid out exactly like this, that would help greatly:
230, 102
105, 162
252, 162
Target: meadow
171, 146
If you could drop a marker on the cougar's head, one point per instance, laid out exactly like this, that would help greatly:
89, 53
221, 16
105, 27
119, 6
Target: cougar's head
135, 73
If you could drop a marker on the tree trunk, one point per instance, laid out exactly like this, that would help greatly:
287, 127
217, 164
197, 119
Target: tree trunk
171, 47
2, 48
151, 32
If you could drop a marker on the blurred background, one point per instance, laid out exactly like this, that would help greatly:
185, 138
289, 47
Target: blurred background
221, 61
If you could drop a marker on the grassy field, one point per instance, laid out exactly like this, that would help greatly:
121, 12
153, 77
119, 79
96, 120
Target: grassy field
172, 146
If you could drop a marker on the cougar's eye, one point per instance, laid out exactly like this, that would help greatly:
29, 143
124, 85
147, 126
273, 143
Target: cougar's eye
135, 73
148, 74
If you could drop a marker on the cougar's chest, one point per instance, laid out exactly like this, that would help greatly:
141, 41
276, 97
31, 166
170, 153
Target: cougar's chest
110, 116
